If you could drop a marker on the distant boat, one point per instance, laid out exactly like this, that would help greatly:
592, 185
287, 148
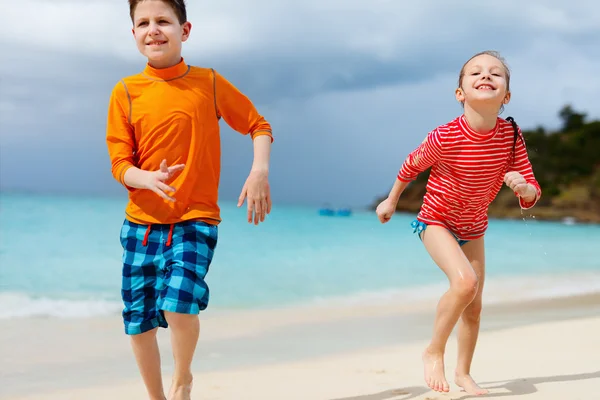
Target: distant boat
569, 221
331, 212
328, 212
344, 212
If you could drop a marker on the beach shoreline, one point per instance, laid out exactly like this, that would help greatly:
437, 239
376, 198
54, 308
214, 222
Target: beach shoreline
53, 357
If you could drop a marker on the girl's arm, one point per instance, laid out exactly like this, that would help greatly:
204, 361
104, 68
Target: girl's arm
522, 165
423, 157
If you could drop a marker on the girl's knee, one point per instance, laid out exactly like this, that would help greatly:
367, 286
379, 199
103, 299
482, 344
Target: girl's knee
467, 287
473, 312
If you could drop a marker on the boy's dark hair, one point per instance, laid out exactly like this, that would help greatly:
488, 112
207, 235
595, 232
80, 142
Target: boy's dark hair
178, 7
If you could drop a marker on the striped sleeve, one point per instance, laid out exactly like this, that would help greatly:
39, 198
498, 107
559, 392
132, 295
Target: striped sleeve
423, 157
522, 165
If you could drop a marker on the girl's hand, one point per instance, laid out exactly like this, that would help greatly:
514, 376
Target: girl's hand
519, 185
385, 210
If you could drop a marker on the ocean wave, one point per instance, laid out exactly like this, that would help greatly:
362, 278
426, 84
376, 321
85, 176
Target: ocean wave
21, 305
516, 289
497, 290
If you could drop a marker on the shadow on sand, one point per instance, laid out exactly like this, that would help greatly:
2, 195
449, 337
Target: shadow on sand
392, 394
517, 387
527, 385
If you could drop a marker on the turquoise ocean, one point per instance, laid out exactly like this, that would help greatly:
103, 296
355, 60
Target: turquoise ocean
61, 257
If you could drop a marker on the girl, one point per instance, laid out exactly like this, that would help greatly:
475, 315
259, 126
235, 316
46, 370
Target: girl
470, 157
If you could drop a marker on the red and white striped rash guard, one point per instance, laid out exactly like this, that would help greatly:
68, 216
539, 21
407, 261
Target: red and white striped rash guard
467, 172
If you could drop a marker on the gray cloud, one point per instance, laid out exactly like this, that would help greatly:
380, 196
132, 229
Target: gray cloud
349, 86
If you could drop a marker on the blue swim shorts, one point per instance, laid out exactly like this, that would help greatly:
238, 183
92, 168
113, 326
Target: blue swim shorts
163, 270
419, 227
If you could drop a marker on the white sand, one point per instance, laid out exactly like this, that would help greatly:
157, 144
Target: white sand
546, 361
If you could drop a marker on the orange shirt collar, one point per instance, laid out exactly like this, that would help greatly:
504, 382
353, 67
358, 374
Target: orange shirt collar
176, 71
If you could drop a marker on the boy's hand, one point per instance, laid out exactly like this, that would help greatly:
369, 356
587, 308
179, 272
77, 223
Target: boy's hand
385, 210
257, 190
519, 185
155, 180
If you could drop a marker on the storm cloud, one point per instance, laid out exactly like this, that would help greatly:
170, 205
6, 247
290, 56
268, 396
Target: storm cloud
350, 86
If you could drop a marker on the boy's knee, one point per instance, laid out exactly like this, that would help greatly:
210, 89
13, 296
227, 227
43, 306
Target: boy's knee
181, 320
144, 336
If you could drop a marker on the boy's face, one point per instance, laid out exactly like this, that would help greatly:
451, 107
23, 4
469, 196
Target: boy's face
158, 33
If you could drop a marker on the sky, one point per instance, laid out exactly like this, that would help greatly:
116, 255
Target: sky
350, 87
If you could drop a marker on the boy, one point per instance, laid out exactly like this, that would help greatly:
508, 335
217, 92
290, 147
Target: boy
164, 146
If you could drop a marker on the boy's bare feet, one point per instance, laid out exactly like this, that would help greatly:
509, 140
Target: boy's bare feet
181, 391
434, 371
469, 385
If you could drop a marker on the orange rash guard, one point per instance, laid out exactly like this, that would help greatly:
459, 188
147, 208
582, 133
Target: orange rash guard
174, 114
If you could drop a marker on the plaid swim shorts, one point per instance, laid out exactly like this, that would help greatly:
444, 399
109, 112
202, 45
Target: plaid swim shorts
163, 270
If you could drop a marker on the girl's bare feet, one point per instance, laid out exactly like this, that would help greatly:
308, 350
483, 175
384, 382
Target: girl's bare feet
469, 385
434, 371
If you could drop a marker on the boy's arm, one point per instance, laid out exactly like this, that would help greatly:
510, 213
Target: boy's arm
522, 165
238, 111
241, 115
423, 157
119, 134
256, 188
121, 144
262, 153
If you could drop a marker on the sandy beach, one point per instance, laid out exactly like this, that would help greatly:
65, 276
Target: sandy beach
540, 349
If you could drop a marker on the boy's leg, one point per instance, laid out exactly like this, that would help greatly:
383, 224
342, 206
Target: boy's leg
147, 356
142, 282
185, 331
468, 326
447, 254
185, 295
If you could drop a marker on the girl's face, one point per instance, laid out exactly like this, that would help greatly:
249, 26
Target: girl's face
484, 82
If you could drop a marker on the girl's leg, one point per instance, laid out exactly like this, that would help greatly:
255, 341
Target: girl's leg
468, 326
447, 254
